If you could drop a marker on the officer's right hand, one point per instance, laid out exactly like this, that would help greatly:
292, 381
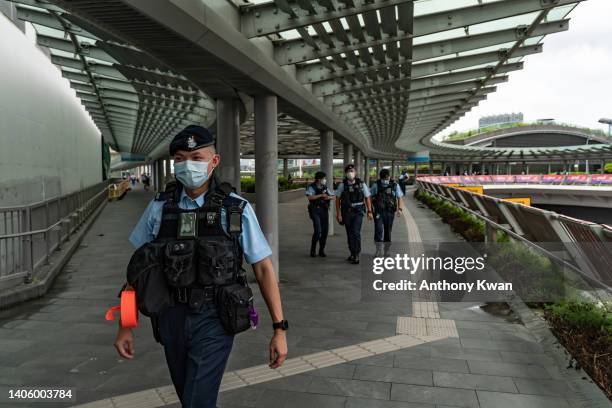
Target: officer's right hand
124, 343
339, 217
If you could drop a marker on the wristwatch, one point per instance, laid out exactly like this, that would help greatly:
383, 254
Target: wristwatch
283, 325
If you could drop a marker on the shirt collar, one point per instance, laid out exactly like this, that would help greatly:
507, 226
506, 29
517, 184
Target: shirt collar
199, 200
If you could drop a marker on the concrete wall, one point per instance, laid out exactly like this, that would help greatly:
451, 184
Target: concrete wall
48, 143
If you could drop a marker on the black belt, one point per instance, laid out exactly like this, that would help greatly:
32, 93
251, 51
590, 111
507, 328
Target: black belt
196, 296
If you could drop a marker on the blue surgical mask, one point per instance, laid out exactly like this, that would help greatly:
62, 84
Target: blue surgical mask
192, 174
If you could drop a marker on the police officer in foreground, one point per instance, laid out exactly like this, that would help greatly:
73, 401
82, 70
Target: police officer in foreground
202, 230
353, 201
319, 196
386, 202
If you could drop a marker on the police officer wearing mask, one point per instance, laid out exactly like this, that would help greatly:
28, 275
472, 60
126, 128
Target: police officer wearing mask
193, 332
387, 202
319, 195
353, 202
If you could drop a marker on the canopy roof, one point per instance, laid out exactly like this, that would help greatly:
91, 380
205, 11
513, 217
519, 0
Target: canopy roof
385, 75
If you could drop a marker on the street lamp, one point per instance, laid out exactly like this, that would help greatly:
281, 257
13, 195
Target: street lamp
608, 122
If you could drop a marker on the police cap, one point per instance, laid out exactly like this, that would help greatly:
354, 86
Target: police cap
191, 138
319, 175
349, 167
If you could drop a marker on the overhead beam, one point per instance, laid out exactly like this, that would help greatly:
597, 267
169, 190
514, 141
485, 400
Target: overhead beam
86, 49
460, 44
428, 82
269, 18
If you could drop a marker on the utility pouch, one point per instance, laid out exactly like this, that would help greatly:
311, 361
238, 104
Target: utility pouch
145, 273
180, 263
216, 262
234, 304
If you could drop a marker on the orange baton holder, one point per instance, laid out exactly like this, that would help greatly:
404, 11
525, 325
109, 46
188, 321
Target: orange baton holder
127, 309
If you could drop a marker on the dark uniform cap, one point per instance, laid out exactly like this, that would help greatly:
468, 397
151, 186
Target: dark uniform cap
319, 175
191, 138
349, 167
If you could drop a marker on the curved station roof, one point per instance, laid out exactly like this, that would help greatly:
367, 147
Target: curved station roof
385, 75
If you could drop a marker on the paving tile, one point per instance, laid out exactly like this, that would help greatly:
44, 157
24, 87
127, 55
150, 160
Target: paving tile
508, 369
544, 387
434, 395
474, 382
290, 399
436, 364
490, 399
396, 375
464, 353
353, 402
350, 388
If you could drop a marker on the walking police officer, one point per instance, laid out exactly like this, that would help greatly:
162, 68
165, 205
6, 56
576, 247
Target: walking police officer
352, 203
319, 196
193, 329
386, 202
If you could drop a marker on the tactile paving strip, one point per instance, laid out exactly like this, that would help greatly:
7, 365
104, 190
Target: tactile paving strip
425, 309
159, 397
422, 326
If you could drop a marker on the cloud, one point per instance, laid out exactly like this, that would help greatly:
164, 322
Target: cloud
571, 81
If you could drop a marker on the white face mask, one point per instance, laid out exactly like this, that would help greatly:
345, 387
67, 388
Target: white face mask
350, 175
192, 174
323, 182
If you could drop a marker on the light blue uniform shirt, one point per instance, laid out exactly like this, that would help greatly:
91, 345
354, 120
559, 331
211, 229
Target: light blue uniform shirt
311, 191
364, 187
251, 239
398, 190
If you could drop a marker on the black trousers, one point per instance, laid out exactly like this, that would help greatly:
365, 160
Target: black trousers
383, 224
352, 223
320, 224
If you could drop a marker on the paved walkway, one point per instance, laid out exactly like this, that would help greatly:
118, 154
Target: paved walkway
463, 357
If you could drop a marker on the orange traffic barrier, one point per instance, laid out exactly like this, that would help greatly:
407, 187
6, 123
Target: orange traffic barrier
521, 200
127, 310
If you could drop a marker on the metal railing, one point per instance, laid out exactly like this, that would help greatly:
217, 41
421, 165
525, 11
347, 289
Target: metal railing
30, 233
588, 244
545, 179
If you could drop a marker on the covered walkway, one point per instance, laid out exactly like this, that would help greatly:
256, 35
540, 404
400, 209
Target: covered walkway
344, 351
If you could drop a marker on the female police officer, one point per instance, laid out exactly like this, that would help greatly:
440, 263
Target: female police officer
319, 196
195, 343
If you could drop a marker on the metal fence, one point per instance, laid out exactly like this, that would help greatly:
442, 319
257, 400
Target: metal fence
589, 244
30, 233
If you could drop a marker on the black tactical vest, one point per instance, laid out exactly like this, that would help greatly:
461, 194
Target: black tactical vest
385, 199
319, 202
198, 251
352, 194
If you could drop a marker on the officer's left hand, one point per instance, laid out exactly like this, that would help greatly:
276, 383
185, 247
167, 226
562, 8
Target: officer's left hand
399, 213
278, 349
370, 216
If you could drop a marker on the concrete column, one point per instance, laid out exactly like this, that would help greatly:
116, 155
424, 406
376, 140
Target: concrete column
160, 171
366, 167
358, 164
266, 182
228, 140
327, 165
285, 167
603, 165
508, 168
549, 169
430, 168
348, 154
167, 170
393, 169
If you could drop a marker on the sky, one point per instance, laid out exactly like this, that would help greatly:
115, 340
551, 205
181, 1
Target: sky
570, 81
